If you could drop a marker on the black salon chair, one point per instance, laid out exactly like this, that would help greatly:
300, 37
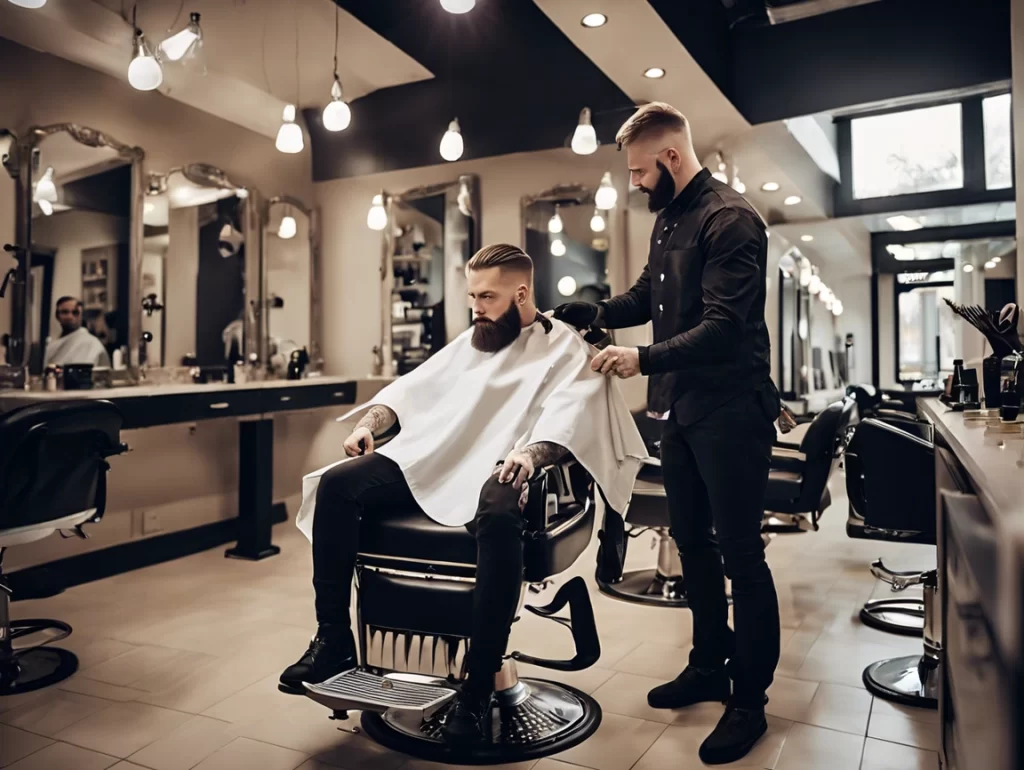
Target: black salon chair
891, 486
53, 470
872, 402
415, 584
797, 493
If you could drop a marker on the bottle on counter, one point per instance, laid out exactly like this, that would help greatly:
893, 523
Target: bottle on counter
50, 378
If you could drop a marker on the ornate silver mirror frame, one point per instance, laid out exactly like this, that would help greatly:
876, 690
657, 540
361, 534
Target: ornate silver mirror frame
19, 164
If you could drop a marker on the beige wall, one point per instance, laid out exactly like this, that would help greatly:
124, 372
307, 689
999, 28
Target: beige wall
1017, 97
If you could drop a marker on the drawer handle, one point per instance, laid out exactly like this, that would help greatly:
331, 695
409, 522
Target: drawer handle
286, 398
339, 394
220, 405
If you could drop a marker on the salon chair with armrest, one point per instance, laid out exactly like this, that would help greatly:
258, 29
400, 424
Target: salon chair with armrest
415, 582
797, 493
872, 402
53, 468
891, 483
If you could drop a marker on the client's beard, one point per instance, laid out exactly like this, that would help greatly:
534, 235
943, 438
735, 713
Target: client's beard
491, 336
664, 190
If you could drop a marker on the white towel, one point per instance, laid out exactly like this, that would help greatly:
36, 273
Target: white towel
462, 411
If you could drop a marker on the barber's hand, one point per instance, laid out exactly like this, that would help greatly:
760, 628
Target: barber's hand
517, 468
620, 361
359, 436
578, 314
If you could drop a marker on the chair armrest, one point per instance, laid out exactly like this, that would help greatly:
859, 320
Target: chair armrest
784, 459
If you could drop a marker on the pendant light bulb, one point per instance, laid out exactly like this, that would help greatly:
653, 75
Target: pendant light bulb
377, 218
815, 285
46, 190
558, 247
289, 135
597, 223
337, 114
451, 142
837, 308
288, 227
185, 46
144, 71
29, 3
458, 6
555, 224
720, 174
787, 264
584, 140
738, 185
606, 196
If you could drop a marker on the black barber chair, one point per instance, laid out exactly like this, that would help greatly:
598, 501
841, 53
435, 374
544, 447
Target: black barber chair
415, 584
53, 469
872, 402
797, 493
891, 483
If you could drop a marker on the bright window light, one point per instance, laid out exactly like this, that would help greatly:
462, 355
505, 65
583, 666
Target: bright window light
998, 138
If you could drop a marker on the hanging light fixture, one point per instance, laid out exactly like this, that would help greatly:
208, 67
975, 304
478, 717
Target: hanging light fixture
377, 217
458, 6
29, 3
144, 71
584, 139
337, 114
720, 174
606, 196
787, 264
597, 223
558, 247
815, 285
555, 224
185, 46
289, 135
46, 190
451, 142
288, 227
837, 308
737, 183
566, 285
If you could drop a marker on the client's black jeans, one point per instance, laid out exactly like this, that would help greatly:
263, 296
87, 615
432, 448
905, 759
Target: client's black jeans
716, 475
357, 488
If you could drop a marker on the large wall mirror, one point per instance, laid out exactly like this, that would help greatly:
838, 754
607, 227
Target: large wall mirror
566, 235
291, 259
200, 282
430, 234
79, 200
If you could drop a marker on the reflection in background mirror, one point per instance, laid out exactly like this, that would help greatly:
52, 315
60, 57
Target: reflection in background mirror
430, 234
81, 225
288, 246
193, 273
567, 237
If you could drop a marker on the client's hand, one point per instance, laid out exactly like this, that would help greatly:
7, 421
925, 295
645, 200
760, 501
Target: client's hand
578, 314
623, 362
359, 442
517, 468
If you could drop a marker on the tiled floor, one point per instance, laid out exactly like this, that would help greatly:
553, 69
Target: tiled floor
179, 663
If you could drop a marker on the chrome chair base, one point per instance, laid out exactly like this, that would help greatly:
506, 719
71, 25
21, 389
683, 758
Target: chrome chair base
33, 667
535, 719
647, 586
909, 681
895, 616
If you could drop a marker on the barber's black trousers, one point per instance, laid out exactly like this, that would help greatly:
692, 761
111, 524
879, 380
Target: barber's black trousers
354, 490
716, 475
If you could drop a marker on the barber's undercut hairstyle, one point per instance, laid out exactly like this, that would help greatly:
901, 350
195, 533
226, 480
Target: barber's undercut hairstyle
76, 300
504, 256
655, 117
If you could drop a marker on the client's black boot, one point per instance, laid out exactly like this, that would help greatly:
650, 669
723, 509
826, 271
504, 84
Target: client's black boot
694, 685
469, 718
735, 735
332, 651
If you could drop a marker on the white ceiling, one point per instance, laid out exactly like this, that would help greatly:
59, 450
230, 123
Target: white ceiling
243, 40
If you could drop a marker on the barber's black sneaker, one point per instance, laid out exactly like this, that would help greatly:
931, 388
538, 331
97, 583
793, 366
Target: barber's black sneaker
331, 652
734, 736
469, 718
694, 685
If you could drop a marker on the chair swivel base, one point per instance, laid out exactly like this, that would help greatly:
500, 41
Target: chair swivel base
546, 718
34, 668
647, 586
909, 681
895, 616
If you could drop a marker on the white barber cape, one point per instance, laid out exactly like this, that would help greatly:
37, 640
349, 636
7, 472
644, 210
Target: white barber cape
78, 347
462, 411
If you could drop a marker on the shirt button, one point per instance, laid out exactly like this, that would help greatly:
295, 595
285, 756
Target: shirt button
661, 308
663, 276
666, 228
659, 241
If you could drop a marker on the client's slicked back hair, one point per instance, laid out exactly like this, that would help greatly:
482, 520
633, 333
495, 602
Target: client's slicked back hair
504, 256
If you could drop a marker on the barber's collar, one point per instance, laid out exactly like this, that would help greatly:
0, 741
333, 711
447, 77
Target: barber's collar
687, 195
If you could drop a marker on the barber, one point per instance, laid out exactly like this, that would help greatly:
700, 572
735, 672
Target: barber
704, 290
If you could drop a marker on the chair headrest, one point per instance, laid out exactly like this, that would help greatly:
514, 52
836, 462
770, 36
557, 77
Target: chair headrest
63, 417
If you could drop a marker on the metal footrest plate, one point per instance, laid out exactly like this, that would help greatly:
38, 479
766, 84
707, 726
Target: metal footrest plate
359, 690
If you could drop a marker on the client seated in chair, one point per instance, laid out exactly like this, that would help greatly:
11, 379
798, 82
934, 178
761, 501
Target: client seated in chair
475, 422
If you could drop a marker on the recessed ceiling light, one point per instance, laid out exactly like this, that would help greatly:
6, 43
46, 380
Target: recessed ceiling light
806, 238
903, 222
654, 73
997, 260
594, 20
792, 200
989, 265
770, 187
968, 268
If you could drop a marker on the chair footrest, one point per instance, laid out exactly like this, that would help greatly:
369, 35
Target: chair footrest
359, 690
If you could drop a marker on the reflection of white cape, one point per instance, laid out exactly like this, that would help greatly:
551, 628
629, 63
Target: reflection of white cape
463, 411
78, 347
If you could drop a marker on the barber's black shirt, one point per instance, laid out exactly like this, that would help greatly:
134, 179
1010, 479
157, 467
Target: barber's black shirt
704, 290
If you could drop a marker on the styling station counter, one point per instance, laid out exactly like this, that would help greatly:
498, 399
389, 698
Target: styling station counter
253, 404
980, 507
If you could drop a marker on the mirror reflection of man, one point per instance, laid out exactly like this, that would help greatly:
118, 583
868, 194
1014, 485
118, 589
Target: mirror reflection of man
76, 345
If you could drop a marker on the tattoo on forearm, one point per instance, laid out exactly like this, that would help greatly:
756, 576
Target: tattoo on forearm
378, 419
545, 453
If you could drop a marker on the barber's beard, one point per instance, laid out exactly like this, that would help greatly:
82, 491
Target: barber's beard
664, 190
491, 336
